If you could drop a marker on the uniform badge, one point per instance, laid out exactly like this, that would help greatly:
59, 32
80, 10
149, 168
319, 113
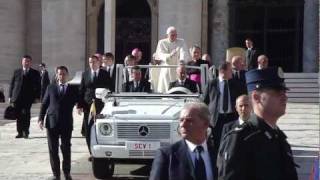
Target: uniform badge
268, 135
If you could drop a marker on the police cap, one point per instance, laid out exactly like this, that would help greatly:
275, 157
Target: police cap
268, 78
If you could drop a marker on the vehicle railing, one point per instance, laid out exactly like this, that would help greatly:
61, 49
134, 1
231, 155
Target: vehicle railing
120, 78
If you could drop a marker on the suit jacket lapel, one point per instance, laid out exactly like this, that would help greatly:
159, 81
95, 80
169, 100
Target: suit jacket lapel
183, 155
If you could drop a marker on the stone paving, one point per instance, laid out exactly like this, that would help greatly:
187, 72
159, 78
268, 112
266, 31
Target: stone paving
28, 159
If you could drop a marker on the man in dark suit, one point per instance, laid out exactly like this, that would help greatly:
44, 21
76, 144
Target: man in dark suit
137, 84
57, 104
45, 81
191, 158
93, 78
251, 54
243, 107
24, 90
183, 81
259, 149
220, 96
238, 73
109, 65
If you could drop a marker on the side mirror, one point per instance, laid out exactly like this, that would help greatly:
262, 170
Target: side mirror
101, 93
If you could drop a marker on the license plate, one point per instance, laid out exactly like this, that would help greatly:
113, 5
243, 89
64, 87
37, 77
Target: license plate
138, 145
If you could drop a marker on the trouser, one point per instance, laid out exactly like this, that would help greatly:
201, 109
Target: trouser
222, 120
53, 136
23, 117
88, 123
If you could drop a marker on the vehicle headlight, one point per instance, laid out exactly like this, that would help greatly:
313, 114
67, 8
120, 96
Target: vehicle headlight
105, 129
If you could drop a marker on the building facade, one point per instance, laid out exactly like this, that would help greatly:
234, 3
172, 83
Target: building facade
65, 32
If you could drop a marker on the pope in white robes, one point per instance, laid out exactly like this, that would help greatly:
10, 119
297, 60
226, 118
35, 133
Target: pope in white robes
171, 51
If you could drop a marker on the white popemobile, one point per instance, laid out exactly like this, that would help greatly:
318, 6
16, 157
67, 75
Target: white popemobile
132, 126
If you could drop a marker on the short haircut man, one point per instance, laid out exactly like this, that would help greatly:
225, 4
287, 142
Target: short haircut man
259, 142
192, 157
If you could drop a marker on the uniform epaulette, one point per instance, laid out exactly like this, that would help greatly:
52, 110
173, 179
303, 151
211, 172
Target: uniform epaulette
235, 130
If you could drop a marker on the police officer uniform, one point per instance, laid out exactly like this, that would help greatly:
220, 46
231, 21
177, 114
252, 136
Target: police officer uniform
255, 150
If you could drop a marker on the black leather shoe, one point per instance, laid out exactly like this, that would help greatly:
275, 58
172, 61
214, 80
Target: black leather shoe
54, 178
19, 136
68, 176
26, 136
90, 158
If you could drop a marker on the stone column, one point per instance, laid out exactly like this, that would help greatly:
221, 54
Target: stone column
185, 16
64, 34
310, 32
109, 26
12, 35
219, 31
33, 31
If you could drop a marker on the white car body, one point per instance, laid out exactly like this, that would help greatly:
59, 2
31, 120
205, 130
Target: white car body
132, 126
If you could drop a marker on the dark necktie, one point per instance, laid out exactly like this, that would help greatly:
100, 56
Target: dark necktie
225, 96
62, 89
95, 77
109, 71
199, 166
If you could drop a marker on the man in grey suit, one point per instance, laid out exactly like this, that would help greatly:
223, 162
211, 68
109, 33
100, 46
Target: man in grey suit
191, 158
24, 90
57, 106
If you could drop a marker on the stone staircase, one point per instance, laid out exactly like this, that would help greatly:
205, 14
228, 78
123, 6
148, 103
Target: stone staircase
304, 87
301, 123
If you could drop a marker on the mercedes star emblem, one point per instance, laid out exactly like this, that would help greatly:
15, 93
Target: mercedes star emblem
143, 130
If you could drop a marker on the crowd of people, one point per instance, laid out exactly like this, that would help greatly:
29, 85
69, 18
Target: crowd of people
241, 104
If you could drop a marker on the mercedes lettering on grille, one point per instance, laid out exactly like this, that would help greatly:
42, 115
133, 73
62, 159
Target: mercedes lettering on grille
143, 130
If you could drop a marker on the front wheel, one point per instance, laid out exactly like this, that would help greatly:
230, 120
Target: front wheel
102, 168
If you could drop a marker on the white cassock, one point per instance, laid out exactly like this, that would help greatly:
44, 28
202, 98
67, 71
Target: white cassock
164, 53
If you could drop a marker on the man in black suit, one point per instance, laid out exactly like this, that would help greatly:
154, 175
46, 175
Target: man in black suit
220, 96
244, 109
93, 78
45, 81
24, 90
251, 54
193, 157
238, 72
109, 65
137, 84
57, 104
183, 81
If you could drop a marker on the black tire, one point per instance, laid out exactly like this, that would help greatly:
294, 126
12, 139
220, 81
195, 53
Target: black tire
102, 168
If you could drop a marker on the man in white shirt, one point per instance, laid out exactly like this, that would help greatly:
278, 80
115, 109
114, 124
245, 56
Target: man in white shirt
193, 157
170, 51
108, 64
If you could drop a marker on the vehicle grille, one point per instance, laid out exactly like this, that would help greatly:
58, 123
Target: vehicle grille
130, 131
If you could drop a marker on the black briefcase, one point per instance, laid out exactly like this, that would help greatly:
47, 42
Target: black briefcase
10, 113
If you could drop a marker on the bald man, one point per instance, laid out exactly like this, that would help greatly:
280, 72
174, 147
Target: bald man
244, 109
263, 61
